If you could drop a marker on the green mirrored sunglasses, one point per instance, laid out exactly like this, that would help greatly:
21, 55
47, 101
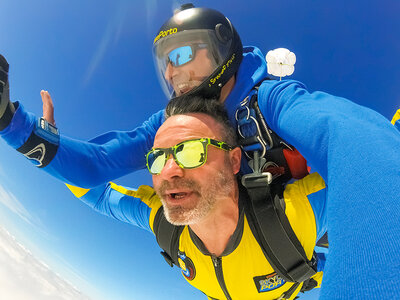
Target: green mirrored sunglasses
188, 154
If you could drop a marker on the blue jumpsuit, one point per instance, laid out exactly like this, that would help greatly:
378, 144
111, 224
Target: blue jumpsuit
353, 148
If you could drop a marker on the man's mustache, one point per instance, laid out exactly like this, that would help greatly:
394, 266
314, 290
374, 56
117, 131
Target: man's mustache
177, 183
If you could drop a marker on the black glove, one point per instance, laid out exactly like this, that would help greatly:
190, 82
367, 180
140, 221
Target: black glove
6, 107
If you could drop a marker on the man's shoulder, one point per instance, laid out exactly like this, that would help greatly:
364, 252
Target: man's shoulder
145, 193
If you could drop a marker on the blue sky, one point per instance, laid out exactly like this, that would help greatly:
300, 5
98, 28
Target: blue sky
95, 59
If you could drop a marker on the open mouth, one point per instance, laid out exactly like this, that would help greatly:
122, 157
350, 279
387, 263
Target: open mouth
184, 88
178, 196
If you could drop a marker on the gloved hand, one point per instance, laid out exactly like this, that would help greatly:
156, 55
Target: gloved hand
6, 107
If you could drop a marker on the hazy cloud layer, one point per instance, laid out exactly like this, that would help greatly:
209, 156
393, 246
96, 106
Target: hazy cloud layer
23, 277
8, 199
11, 202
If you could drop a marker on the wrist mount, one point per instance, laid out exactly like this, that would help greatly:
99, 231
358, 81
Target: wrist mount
42, 144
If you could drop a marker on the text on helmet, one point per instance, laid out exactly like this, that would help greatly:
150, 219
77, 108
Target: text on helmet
224, 67
164, 33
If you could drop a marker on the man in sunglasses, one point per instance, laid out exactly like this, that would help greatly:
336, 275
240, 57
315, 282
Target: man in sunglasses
194, 163
354, 149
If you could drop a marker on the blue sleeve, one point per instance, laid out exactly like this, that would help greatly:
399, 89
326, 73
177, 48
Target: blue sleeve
397, 124
88, 164
125, 206
357, 152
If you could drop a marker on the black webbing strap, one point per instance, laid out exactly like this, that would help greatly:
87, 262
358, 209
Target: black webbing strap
279, 243
289, 292
167, 237
323, 241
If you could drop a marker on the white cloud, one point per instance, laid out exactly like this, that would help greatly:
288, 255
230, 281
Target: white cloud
9, 200
23, 277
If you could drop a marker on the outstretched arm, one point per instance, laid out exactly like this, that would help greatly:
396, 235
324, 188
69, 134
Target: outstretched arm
134, 206
86, 164
356, 151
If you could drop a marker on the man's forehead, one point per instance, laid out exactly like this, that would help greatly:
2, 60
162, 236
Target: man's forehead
179, 128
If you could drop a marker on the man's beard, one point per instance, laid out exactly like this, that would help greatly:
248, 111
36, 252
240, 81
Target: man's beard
219, 185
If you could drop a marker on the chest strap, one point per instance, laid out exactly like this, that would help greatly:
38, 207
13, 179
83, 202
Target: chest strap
167, 237
274, 233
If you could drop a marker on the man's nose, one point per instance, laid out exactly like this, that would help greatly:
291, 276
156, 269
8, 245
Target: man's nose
170, 72
171, 170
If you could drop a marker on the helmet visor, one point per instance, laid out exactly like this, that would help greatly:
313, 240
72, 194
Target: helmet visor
186, 59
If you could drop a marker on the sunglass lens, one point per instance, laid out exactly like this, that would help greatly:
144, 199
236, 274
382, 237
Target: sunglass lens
180, 56
190, 154
156, 161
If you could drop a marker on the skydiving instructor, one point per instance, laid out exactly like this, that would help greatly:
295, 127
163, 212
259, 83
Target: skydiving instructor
353, 148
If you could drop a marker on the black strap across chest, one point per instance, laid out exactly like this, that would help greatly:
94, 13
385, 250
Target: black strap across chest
167, 236
274, 233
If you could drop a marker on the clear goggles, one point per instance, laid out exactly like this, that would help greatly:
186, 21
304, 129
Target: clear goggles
188, 154
179, 49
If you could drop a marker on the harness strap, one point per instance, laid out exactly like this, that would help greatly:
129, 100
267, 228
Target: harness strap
277, 238
275, 155
167, 236
323, 241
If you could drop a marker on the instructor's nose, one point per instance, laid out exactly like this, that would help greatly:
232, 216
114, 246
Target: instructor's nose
170, 72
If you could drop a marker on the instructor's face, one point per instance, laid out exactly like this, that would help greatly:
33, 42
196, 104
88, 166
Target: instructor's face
188, 76
190, 195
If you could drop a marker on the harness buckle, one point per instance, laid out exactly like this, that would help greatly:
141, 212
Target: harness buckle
250, 129
258, 177
254, 180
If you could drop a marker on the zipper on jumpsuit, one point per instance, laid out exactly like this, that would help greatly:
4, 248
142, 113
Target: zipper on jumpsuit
217, 262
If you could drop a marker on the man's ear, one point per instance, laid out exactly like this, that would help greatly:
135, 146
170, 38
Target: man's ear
235, 157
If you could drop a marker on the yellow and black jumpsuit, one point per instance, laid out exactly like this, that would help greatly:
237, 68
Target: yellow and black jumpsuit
242, 271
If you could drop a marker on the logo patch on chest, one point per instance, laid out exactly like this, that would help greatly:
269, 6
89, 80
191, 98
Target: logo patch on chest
187, 266
268, 282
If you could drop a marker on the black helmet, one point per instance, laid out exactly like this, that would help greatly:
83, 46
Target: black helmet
196, 31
